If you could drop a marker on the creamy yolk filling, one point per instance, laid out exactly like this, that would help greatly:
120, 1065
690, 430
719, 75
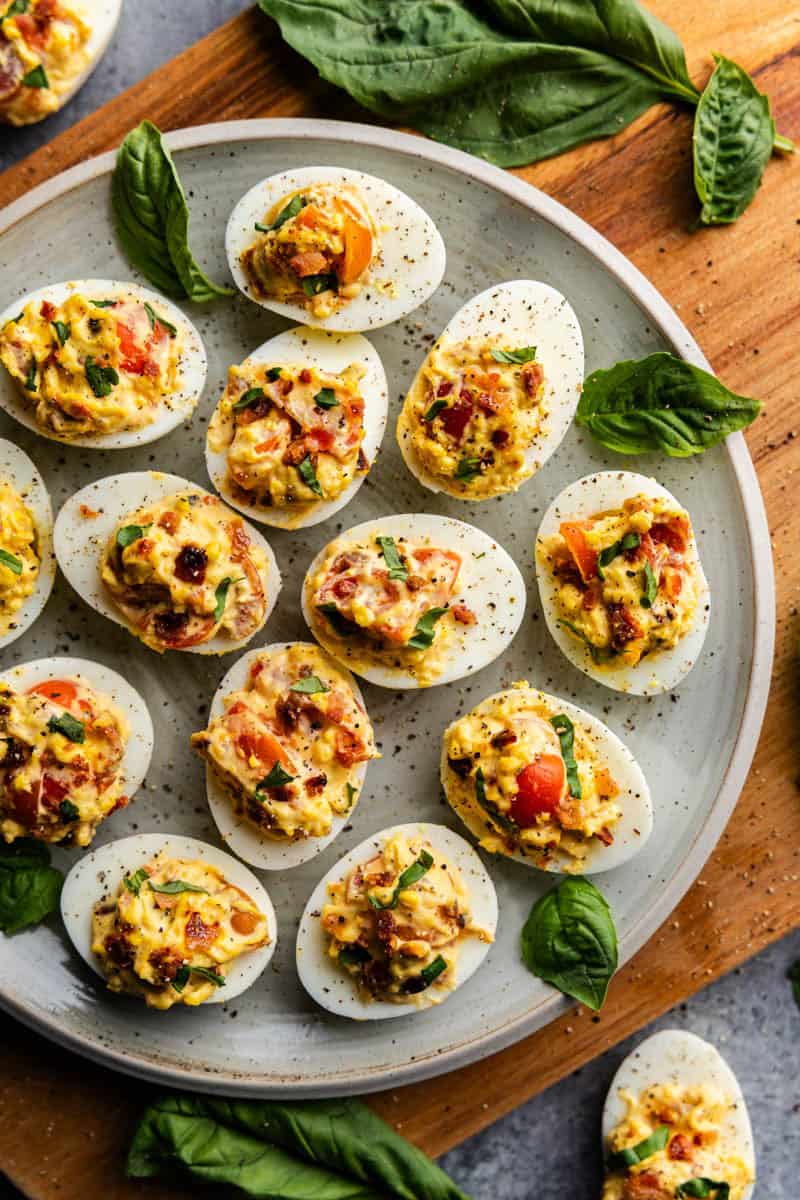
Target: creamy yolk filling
172, 930
61, 751
287, 745
534, 781
292, 434
626, 584
185, 569
680, 1134
42, 50
472, 415
315, 247
396, 923
92, 365
19, 554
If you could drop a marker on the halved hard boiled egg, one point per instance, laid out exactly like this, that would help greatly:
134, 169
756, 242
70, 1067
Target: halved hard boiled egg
298, 427
27, 563
287, 747
334, 248
622, 587
48, 52
100, 364
170, 919
167, 560
413, 600
675, 1124
496, 393
397, 925
544, 782
75, 744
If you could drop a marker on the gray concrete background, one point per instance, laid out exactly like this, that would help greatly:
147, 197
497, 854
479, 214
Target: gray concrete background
548, 1148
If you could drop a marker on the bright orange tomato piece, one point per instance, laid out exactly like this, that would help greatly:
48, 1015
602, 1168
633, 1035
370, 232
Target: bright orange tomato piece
573, 533
59, 690
357, 249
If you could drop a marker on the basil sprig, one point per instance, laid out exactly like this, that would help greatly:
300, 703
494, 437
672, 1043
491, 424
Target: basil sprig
702, 1187
326, 398
62, 331
134, 882
308, 474
274, 374
309, 685
391, 555
36, 78
174, 887
425, 629
68, 726
313, 285
570, 941
629, 542
276, 777
155, 319
287, 213
633, 1155
648, 597
29, 886
183, 973
69, 811
11, 561
525, 354
410, 876
352, 792
252, 396
102, 380
129, 534
566, 736
434, 410
338, 622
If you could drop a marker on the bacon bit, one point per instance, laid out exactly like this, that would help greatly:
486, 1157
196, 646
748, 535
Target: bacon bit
343, 588
460, 766
624, 626
122, 802
384, 927
309, 262
118, 949
243, 922
295, 453
646, 1186
88, 513
605, 836
166, 964
197, 933
143, 547
500, 438
349, 748
674, 583
444, 388
674, 533
489, 404
506, 737
680, 1148
47, 310
169, 520
362, 462
457, 417
532, 378
305, 375
464, 615
316, 784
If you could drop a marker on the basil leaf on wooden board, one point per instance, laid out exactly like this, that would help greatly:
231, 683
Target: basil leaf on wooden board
661, 403
569, 940
29, 886
325, 1149
152, 217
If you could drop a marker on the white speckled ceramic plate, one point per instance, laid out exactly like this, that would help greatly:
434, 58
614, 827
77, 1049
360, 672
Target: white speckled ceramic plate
695, 744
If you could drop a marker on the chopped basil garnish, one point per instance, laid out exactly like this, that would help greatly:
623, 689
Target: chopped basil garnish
467, 469
306, 471
11, 561
174, 887
411, 875
274, 374
621, 1159
434, 410
351, 794
286, 214
629, 542
313, 285
339, 622
155, 319
326, 398
68, 726
353, 956
251, 396
30, 378
425, 629
648, 597
491, 809
277, 777
600, 654
134, 882
15, 8
37, 78
701, 1187
221, 595
69, 811
397, 569
309, 685
433, 970
182, 976
62, 331
102, 380
211, 976
566, 736
16, 320
129, 534
523, 355
103, 303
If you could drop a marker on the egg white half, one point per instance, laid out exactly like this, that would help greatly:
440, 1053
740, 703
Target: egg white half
80, 541
634, 826
171, 412
102, 17
332, 987
330, 352
412, 253
241, 835
522, 312
677, 1057
489, 582
99, 873
657, 672
17, 468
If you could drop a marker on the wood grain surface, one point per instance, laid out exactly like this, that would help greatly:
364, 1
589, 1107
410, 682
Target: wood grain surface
64, 1123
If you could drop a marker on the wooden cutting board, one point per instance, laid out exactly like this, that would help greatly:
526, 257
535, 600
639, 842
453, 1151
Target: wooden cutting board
64, 1122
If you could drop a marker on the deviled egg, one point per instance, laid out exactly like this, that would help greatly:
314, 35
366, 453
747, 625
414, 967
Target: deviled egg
75, 744
287, 747
397, 925
621, 582
100, 364
675, 1124
334, 248
27, 564
496, 393
167, 560
539, 780
413, 600
298, 427
169, 919
48, 49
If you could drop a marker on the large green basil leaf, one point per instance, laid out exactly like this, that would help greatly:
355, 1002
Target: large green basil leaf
315, 1150
661, 403
570, 941
152, 217
29, 886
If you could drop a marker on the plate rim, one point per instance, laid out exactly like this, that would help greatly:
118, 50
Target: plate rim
671, 327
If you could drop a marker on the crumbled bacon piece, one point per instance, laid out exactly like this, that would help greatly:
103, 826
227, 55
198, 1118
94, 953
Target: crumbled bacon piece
464, 615
506, 737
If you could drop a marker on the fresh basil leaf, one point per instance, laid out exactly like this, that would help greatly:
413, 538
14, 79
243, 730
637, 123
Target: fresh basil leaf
629, 542
337, 620
30, 378
309, 685
253, 395
129, 534
69, 811
102, 380
467, 469
523, 355
277, 777
103, 303
68, 726
292, 1150
274, 374
221, 595
599, 654
648, 597
155, 319
295, 205
391, 555
63, 331
134, 882
314, 285
353, 956
15, 8
326, 398
36, 78
702, 1187
29, 886
793, 975
152, 217
351, 794
308, 474
566, 736
433, 970
11, 561
661, 403
434, 410
410, 876
174, 887
181, 978
630, 1157
569, 940
491, 809
425, 629
207, 973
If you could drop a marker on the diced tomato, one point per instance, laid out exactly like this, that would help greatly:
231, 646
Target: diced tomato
464, 615
24, 806
319, 439
674, 533
457, 417
47, 310
264, 746
532, 376
35, 27
573, 533
59, 690
673, 581
134, 357
541, 788
444, 388
357, 250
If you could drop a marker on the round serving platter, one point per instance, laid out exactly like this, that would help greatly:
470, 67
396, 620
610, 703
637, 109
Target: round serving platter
695, 744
